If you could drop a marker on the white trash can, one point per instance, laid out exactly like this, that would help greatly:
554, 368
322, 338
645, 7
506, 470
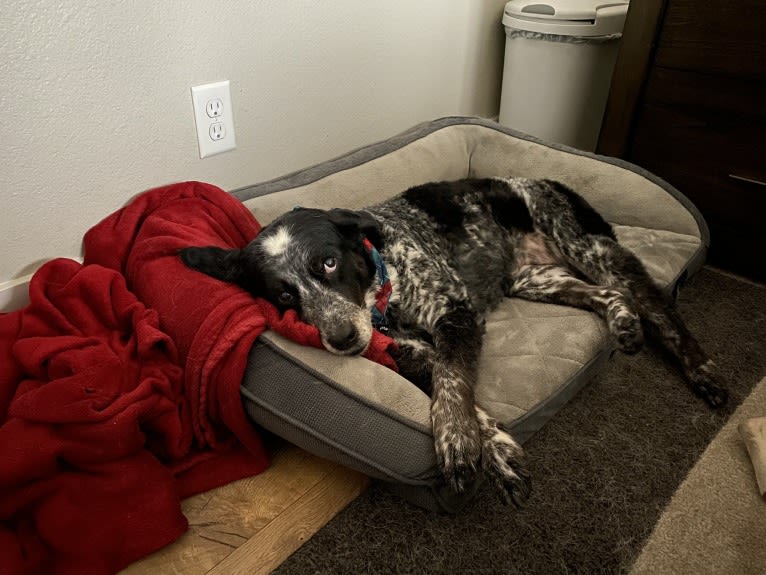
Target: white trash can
559, 60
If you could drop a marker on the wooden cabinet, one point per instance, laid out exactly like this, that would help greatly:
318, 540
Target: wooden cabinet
700, 121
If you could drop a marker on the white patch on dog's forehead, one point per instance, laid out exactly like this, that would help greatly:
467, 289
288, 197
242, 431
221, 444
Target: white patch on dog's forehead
276, 244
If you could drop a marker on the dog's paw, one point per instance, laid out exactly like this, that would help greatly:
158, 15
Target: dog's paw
625, 325
458, 450
503, 462
705, 384
715, 395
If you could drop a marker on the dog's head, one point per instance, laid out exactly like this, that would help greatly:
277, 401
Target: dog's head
310, 260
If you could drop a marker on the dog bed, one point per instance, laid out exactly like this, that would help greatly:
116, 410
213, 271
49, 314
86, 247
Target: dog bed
535, 356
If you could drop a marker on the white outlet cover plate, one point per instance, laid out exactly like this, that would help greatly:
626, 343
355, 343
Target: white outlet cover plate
208, 136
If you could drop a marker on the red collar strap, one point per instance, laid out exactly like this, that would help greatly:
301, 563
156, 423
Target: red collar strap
379, 320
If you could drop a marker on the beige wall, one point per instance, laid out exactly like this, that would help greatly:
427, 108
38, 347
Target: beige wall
96, 102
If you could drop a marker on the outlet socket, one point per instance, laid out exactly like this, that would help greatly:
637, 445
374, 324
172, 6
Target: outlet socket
214, 108
214, 118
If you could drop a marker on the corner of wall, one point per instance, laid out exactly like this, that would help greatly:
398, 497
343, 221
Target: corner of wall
14, 294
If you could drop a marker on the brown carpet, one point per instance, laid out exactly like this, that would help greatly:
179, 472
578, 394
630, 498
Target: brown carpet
604, 467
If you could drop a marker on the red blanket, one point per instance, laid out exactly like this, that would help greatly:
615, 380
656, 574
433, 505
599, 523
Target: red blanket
119, 386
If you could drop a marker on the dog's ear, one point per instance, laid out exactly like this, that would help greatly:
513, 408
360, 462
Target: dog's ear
352, 223
220, 263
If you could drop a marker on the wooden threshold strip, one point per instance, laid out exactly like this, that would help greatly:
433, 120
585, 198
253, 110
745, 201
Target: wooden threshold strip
277, 540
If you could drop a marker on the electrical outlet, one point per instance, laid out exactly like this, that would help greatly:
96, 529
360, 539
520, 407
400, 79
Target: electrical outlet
214, 118
217, 131
214, 108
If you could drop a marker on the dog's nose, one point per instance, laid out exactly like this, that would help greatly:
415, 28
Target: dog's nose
343, 337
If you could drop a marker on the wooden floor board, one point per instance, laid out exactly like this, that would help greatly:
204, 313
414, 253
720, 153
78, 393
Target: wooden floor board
251, 525
290, 529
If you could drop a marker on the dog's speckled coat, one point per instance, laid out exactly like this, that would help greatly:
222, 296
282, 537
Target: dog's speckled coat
453, 251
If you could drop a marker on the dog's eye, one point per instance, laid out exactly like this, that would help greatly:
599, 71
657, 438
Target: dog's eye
286, 298
330, 265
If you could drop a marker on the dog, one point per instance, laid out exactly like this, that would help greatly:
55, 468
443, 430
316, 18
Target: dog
431, 263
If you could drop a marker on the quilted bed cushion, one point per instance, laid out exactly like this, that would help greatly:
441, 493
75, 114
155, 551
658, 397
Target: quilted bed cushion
535, 356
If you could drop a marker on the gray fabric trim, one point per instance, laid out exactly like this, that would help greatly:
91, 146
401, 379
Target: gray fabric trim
430, 493
306, 437
282, 409
529, 35
273, 409
437, 498
318, 375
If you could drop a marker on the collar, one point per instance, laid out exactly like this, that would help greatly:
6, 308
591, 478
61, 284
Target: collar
379, 320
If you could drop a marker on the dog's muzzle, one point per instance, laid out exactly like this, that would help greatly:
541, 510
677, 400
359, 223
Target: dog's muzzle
344, 327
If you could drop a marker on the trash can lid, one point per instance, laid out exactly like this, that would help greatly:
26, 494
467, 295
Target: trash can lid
567, 17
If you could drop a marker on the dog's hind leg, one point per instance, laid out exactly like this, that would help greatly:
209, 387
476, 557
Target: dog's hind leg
661, 320
603, 261
556, 284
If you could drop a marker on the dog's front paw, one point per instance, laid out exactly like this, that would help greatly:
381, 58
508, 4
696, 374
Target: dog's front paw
504, 463
704, 382
458, 450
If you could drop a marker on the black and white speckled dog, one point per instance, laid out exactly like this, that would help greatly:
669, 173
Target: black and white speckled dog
452, 251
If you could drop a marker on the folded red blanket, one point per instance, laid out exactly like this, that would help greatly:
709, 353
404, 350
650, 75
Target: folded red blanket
119, 386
